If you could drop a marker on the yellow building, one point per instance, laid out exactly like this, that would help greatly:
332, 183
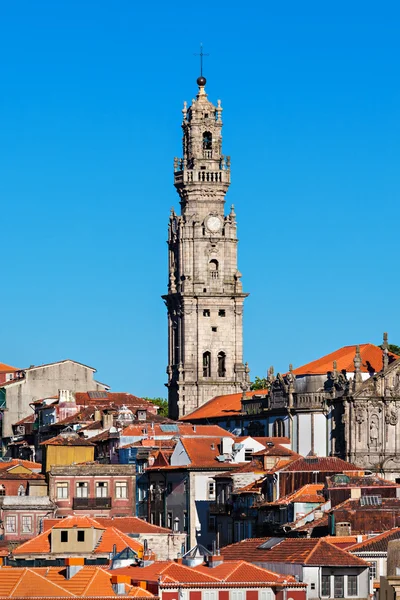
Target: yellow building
66, 449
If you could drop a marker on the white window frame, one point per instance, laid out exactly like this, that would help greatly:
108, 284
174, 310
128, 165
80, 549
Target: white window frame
82, 489
62, 490
26, 524
101, 489
11, 519
121, 490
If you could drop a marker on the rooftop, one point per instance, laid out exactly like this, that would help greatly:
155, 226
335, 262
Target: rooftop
371, 361
305, 551
329, 464
229, 405
377, 543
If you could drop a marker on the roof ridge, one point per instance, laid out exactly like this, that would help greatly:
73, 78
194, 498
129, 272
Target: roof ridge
48, 581
94, 574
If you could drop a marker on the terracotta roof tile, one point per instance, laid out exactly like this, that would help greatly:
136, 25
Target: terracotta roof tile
310, 551
7, 368
326, 464
378, 543
51, 582
307, 493
371, 357
16, 462
67, 440
221, 406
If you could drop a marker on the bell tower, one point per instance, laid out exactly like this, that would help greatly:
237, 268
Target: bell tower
205, 297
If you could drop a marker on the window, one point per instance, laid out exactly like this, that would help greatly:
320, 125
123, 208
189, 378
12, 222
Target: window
278, 429
214, 329
237, 594
352, 587
82, 489
207, 140
101, 489
11, 524
206, 313
121, 489
27, 524
211, 489
213, 268
176, 525
372, 569
339, 586
21, 491
221, 312
81, 536
2, 490
185, 485
211, 523
326, 585
169, 520
221, 364
62, 491
64, 537
207, 364
185, 521
248, 453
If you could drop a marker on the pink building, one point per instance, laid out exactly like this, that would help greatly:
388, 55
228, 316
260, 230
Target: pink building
93, 489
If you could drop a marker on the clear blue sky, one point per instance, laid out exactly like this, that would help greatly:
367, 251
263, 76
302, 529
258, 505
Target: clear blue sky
90, 112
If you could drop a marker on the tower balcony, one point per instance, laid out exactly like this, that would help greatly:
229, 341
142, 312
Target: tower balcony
187, 176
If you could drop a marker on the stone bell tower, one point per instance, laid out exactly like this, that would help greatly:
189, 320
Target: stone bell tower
205, 297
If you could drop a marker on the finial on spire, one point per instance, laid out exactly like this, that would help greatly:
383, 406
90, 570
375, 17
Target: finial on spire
385, 347
201, 81
357, 369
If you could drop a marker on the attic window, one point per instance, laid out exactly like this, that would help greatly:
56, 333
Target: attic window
64, 537
81, 535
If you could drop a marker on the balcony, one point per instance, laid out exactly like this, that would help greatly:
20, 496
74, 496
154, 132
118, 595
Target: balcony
86, 503
220, 508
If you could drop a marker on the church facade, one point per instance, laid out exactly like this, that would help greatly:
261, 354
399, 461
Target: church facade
205, 296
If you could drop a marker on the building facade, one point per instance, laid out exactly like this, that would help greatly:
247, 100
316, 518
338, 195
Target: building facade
205, 296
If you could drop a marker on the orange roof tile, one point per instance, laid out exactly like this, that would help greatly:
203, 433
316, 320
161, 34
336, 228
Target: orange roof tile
241, 571
67, 440
371, 357
307, 551
51, 582
307, 493
124, 524
16, 462
7, 368
329, 464
182, 429
221, 406
377, 543
110, 538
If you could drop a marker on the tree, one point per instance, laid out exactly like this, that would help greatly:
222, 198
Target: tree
260, 383
162, 404
392, 348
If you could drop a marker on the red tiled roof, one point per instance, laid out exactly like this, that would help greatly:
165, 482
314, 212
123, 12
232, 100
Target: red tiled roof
342, 541
51, 582
236, 571
28, 419
118, 398
110, 538
16, 462
132, 525
306, 551
378, 543
227, 405
371, 357
325, 463
183, 429
67, 440
307, 493
7, 368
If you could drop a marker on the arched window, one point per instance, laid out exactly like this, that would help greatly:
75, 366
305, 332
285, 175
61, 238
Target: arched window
213, 267
221, 364
207, 364
278, 429
2, 490
207, 140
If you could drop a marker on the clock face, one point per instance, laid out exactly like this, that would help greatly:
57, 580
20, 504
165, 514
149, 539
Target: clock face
213, 223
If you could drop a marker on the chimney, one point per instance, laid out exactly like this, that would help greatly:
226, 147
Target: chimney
73, 566
119, 584
97, 415
107, 421
214, 560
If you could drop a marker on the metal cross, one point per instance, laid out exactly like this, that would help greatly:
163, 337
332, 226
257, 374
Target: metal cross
201, 54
